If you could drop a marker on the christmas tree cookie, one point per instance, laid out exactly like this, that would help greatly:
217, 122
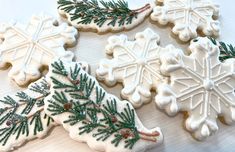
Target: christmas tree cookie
188, 16
135, 63
92, 115
102, 16
201, 85
29, 48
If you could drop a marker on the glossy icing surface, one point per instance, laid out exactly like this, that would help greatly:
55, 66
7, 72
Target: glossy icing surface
30, 47
188, 16
200, 85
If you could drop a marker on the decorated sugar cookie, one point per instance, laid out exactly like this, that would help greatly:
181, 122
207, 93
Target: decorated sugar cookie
135, 63
29, 48
201, 85
102, 16
22, 116
92, 115
188, 16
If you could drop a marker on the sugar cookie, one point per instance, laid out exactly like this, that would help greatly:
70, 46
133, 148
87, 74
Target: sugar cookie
135, 63
101, 16
200, 85
188, 16
22, 116
28, 48
92, 115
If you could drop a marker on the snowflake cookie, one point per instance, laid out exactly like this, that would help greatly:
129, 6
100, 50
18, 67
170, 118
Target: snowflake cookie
92, 115
22, 116
101, 16
135, 63
200, 85
28, 48
188, 16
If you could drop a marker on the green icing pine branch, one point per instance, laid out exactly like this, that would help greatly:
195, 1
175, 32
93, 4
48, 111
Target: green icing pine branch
120, 124
19, 113
88, 11
227, 51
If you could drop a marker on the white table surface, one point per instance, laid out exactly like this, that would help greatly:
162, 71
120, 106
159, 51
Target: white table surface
90, 48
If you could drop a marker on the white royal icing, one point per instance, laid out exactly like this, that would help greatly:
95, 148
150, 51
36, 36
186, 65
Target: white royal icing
188, 16
200, 85
105, 27
135, 63
12, 142
98, 145
30, 47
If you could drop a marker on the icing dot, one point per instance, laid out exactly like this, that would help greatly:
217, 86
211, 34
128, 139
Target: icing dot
141, 61
33, 40
208, 85
8, 123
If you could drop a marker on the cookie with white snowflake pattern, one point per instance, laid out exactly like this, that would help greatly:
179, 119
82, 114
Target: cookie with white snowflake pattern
135, 63
102, 16
29, 48
188, 16
201, 85
92, 115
